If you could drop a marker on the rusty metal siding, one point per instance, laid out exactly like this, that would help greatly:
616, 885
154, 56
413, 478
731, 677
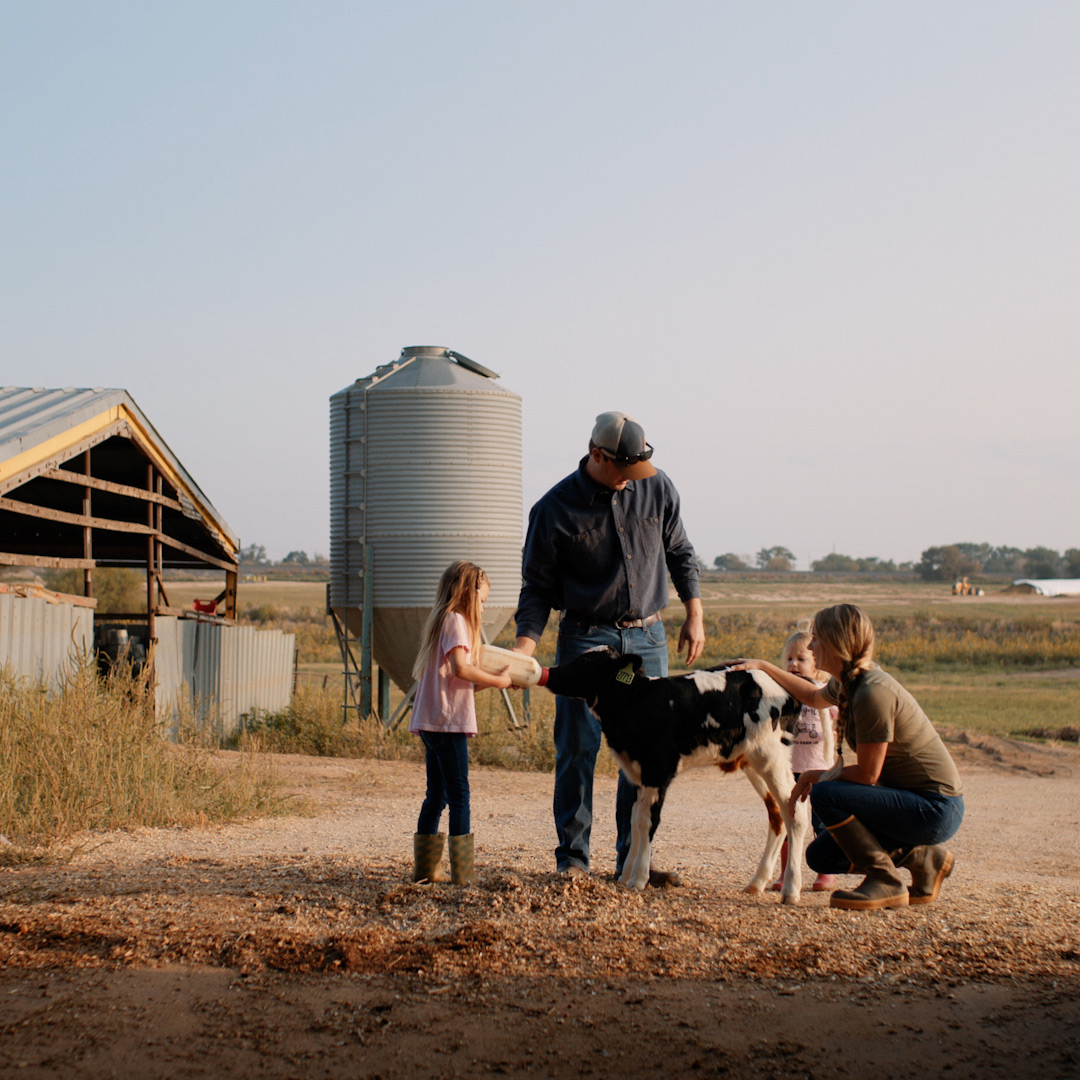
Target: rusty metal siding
40, 641
220, 672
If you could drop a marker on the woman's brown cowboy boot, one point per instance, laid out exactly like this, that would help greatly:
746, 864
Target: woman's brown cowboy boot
882, 887
930, 865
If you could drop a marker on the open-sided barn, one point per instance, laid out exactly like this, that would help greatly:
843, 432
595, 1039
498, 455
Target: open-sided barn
87, 482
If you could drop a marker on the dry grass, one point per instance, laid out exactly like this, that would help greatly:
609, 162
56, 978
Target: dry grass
971, 667
316, 723
91, 757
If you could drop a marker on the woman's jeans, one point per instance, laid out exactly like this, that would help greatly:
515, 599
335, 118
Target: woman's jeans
899, 819
447, 760
577, 741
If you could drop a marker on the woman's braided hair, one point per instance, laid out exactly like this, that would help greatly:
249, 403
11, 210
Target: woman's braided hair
846, 632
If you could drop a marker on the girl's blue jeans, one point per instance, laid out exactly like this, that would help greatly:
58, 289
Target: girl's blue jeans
577, 741
899, 819
447, 760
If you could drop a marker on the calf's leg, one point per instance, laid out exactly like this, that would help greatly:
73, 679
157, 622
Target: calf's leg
773, 837
775, 772
635, 873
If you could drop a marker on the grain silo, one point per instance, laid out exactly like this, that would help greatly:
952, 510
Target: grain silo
425, 468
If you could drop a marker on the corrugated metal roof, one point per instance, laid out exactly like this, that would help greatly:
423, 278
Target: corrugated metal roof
34, 423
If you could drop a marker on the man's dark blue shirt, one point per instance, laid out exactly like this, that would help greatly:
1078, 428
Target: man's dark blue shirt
601, 555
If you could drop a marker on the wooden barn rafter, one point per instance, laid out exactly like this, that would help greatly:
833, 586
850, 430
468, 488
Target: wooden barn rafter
87, 482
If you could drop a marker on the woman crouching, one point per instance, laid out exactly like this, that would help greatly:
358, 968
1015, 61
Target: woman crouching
901, 799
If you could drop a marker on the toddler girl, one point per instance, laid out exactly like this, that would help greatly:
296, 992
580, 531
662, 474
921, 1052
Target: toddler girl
814, 746
444, 716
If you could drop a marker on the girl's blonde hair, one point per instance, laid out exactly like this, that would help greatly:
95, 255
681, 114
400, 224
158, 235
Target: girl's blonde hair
848, 633
459, 590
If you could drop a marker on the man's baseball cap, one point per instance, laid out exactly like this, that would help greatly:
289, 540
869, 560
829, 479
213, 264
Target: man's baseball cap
622, 440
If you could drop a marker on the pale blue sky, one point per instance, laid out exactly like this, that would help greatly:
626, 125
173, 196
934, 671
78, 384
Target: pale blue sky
827, 253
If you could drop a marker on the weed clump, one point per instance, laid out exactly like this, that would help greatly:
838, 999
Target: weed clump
91, 756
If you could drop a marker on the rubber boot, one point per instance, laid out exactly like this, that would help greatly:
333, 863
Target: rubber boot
779, 883
427, 855
882, 887
929, 866
462, 871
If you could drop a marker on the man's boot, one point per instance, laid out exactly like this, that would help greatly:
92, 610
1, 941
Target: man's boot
882, 887
462, 871
427, 855
930, 865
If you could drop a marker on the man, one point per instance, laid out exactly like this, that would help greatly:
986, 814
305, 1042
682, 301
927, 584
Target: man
599, 548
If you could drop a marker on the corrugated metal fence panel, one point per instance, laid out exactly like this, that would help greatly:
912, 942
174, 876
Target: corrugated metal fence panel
225, 671
40, 641
169, 688
205, 678
256, 673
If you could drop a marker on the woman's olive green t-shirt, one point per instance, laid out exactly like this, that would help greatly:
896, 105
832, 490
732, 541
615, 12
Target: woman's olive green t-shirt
881, 710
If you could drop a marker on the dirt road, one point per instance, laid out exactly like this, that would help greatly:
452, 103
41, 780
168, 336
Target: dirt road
295, 947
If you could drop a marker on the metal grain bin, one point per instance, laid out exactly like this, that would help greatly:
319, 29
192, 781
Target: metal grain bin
425, 468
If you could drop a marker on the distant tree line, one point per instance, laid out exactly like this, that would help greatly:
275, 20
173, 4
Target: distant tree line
945, 563
781, 558
773, 558
255, 555
965, 560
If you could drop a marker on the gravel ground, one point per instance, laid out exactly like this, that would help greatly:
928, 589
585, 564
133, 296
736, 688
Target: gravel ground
295, 946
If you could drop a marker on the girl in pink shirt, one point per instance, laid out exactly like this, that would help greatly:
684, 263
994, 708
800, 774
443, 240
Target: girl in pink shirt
444, 716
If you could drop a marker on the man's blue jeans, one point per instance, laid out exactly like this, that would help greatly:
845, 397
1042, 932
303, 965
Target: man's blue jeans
577, 741
899, 819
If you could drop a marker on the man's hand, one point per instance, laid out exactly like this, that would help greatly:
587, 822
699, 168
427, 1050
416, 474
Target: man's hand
525, 645
692, 634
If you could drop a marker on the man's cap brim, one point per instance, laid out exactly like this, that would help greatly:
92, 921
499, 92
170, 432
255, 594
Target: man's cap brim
641, 470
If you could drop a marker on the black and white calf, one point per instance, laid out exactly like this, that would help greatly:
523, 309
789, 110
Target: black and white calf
658, 727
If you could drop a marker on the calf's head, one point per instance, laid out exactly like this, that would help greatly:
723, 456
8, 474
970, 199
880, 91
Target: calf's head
585, 676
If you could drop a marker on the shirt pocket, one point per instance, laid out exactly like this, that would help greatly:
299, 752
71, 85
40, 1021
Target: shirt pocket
587, 552
651, 536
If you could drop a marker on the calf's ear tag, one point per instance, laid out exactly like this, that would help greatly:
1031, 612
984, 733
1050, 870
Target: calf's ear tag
625, 675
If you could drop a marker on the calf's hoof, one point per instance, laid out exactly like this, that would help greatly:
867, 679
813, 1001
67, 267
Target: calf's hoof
791, 899
664, 879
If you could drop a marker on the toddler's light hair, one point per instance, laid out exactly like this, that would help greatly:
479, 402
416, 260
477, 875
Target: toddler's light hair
800, 639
